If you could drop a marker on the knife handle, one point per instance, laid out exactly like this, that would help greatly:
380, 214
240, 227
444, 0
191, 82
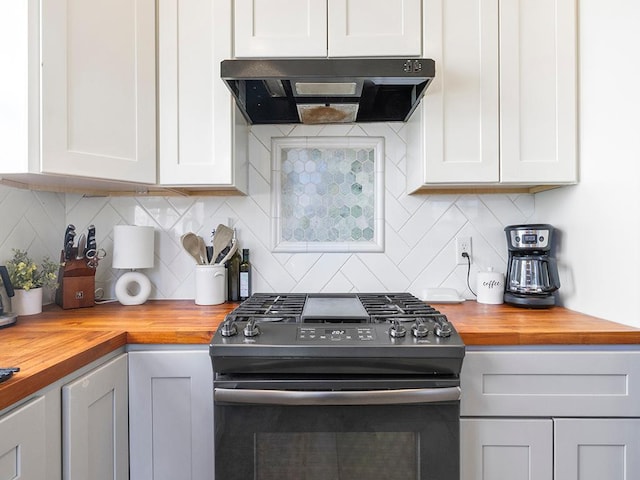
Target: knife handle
69, 235
91, 239
68, 250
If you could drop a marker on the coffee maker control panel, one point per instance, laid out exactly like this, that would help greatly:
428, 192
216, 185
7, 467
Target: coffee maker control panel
530, 239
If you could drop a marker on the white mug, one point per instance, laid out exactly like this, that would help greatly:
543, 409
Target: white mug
211, 284
490, 287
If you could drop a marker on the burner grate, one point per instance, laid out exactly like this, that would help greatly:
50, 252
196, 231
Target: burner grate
395, 304
271, 306
380, 307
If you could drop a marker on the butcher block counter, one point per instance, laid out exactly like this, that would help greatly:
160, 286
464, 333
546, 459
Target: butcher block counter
57, 342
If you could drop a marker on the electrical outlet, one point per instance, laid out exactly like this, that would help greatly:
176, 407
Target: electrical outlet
463, 245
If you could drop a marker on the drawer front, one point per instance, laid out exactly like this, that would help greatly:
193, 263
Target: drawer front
551, 383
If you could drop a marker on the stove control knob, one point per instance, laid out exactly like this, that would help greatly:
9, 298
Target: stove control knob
397, 330
228, 329
443, 329
251, 329
420, 329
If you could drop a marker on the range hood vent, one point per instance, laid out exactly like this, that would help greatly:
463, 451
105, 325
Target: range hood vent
337, 90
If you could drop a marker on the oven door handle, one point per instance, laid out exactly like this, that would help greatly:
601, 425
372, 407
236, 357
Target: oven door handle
365, 397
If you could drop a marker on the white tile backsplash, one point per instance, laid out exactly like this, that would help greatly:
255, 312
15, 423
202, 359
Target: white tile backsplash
420, 230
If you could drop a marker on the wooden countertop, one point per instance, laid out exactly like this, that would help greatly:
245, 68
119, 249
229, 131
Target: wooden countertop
57, 342
480, 324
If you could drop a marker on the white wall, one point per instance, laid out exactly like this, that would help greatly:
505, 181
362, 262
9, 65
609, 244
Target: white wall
599, 219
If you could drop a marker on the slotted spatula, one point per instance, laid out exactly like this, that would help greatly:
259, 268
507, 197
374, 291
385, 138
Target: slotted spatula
221, 239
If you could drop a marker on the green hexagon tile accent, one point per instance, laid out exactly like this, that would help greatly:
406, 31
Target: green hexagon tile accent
328, 194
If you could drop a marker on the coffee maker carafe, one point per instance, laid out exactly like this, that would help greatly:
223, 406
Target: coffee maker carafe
532, 273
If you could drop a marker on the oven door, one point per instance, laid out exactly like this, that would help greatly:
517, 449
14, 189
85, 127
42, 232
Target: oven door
337, 431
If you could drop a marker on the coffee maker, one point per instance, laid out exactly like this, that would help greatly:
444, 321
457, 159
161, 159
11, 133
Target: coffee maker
532, 273
7, 318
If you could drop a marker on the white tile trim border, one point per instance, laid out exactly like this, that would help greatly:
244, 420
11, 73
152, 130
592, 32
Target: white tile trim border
280, 143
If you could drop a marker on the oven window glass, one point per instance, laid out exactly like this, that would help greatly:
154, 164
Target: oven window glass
354, 442
327, 456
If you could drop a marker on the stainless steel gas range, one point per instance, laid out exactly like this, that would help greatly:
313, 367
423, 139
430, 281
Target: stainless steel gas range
336, 386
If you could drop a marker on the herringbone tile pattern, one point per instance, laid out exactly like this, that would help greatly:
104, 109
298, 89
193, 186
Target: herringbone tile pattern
420, 230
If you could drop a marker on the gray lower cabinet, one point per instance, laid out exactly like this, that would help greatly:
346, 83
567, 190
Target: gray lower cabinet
73, 429
95, 425
500, 449
551, 413
597, 449
22, 442
171, 421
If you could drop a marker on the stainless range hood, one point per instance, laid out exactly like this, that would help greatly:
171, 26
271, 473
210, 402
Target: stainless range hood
337, 90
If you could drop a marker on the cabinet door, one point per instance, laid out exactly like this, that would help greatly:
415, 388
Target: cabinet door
22, 442
538, 91
597, 449
98, 89
19, 85
280, 28
453, 135
171, 393
518, 449
198, 134
95, 424
375, 28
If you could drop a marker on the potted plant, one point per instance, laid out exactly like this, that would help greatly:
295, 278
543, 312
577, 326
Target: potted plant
28, 280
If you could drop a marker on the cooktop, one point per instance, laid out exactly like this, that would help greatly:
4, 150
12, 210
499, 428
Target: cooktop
374, 331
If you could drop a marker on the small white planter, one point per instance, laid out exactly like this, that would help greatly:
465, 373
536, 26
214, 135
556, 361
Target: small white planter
27, 302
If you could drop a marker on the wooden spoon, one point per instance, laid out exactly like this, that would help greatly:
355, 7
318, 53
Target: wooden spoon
191, 244
202, 248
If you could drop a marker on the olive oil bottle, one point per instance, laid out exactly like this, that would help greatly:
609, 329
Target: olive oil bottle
245, 275
233, 278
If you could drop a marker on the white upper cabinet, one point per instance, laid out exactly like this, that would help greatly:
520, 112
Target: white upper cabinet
202, 139
19, 86
78, 89
98, 89
78, 107
502, 108
374, 28
280, 28
454, 131
538, 91
334, 28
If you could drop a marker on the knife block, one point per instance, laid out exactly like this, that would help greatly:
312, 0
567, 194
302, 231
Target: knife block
77, 283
